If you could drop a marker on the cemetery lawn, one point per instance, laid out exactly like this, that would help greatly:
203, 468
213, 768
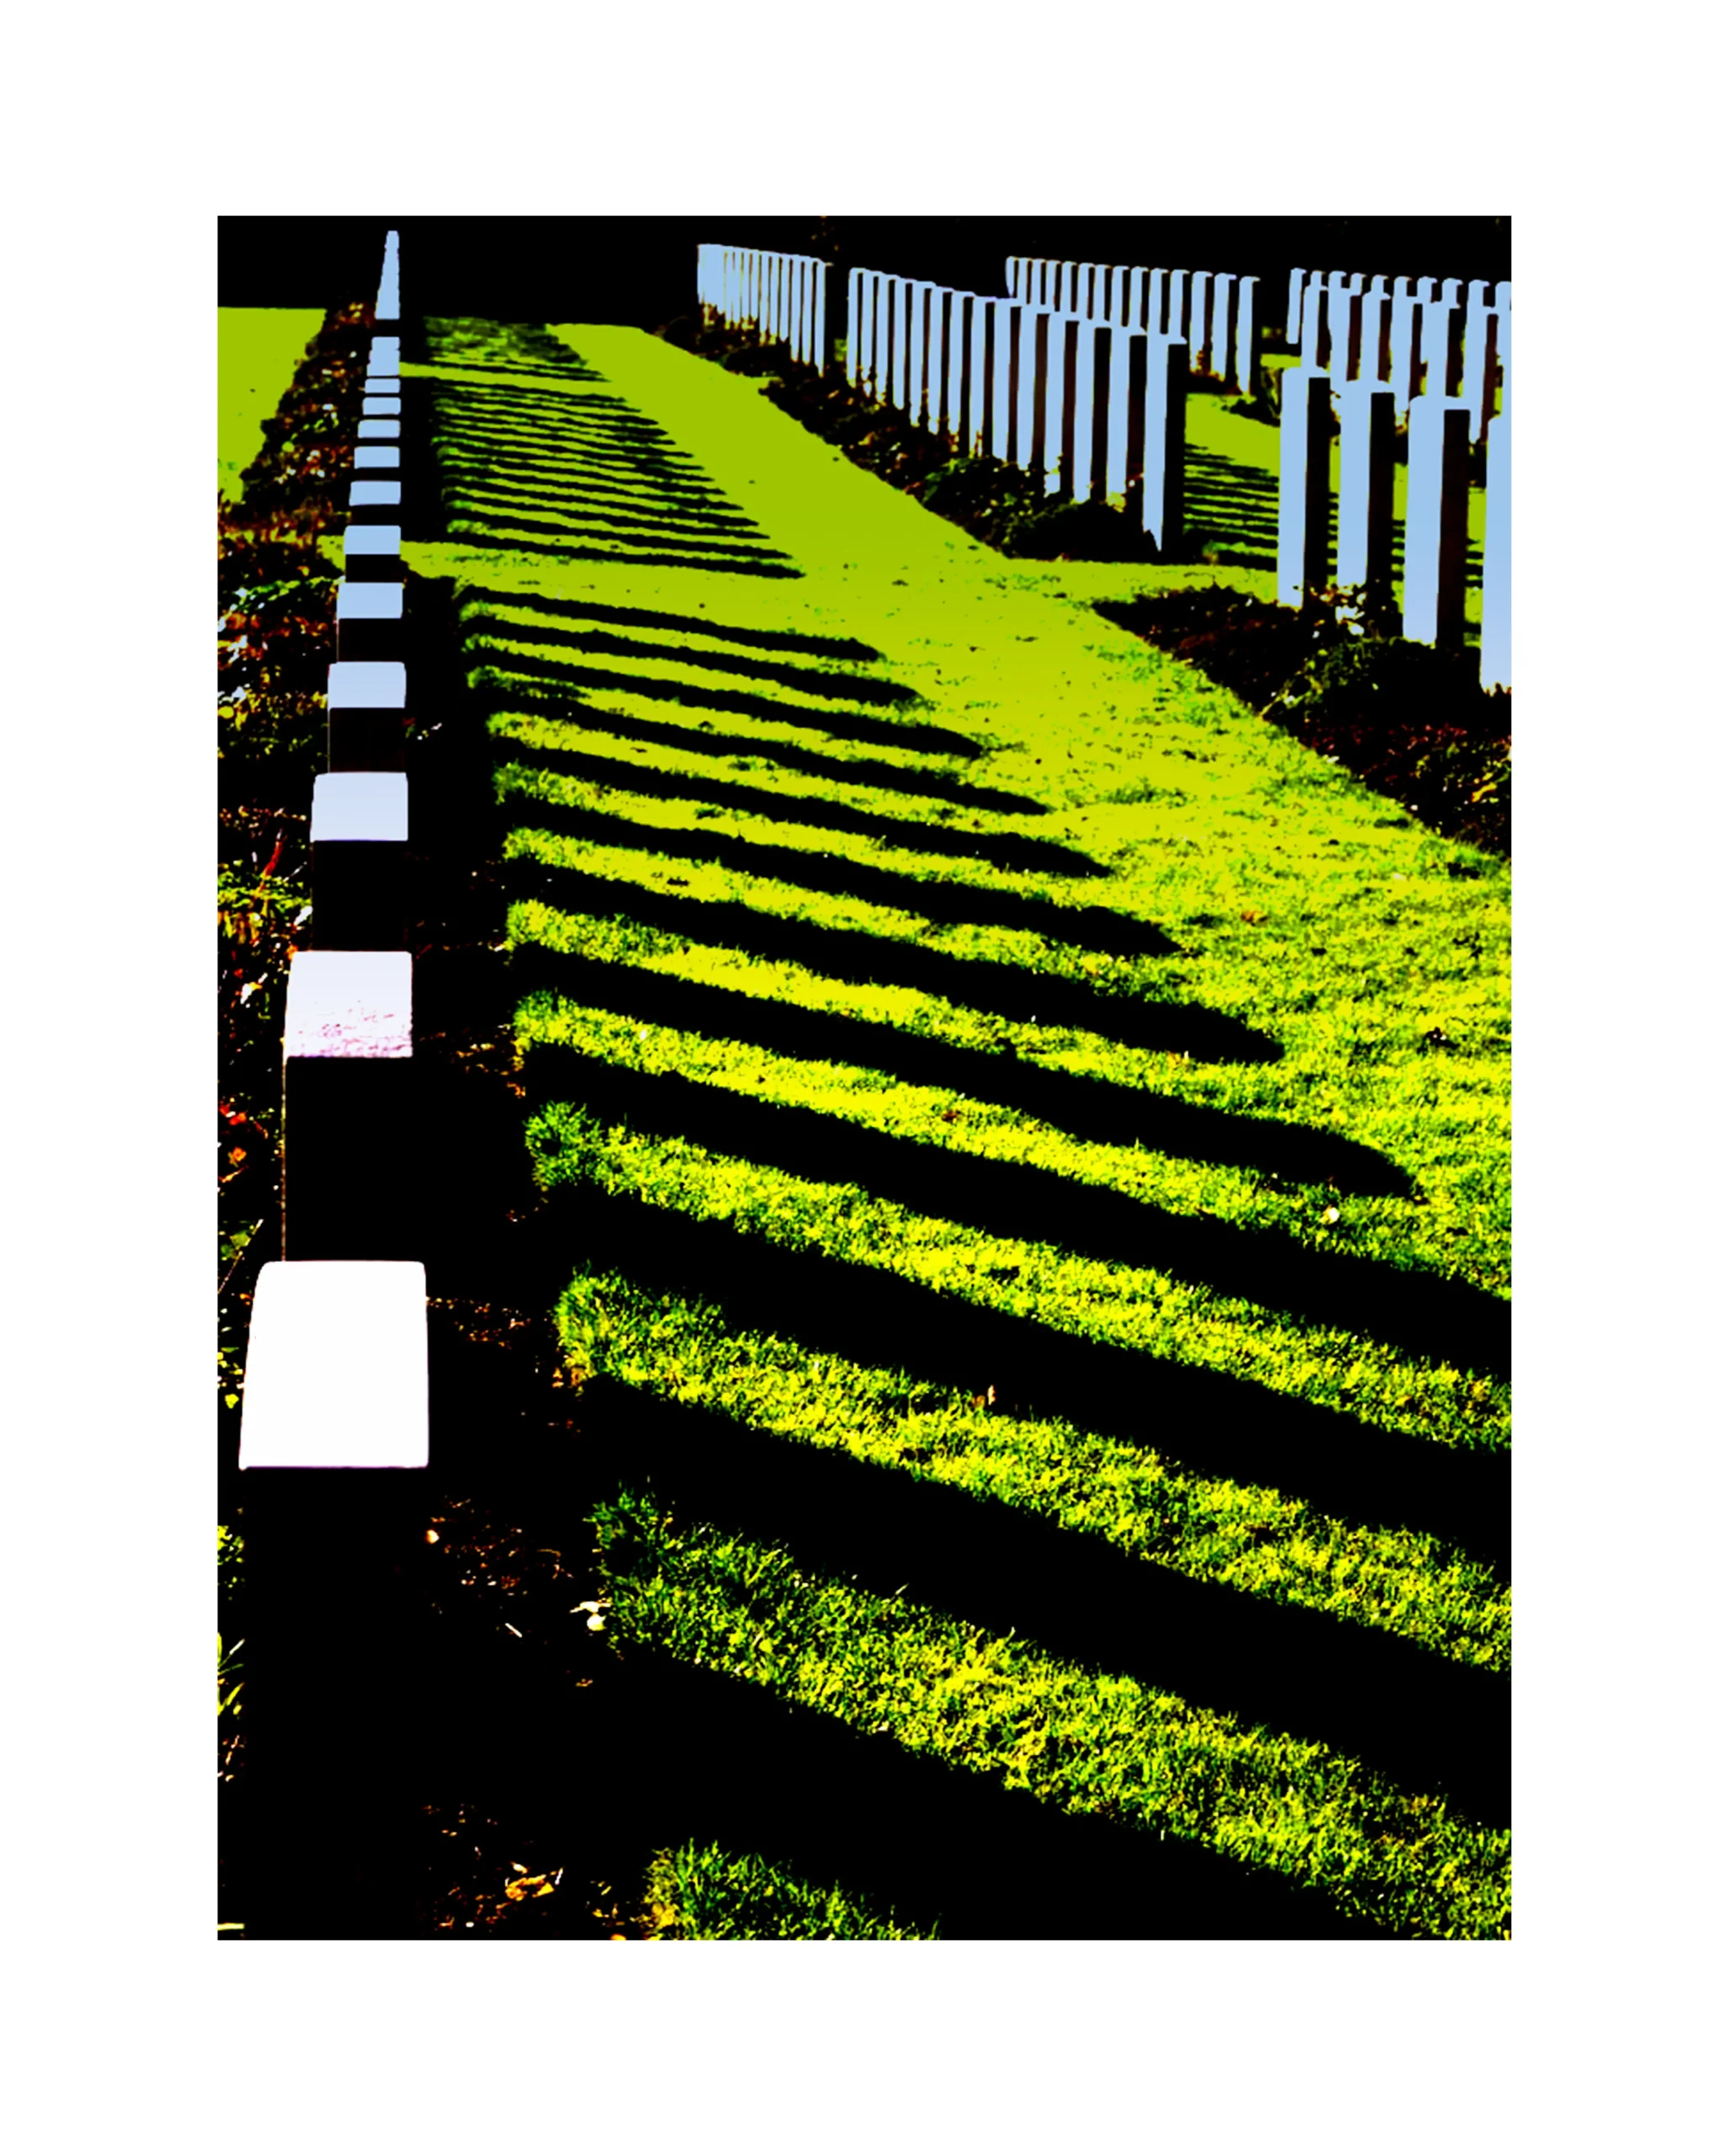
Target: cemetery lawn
1031, 1144
257, 350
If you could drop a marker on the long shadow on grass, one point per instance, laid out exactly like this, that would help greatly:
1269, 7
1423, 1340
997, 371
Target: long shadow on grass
1088, 1108
914, 736
1240, 501
644, 617
1003, 850
931, 899
502, 535
604, 488
1420, 1313
704, 740
452, 341
671, 1754
1430, 1724
848, 688
879, 961
662, 510
576, 438
529, 480
597, 517
1235, 500
1206, 1421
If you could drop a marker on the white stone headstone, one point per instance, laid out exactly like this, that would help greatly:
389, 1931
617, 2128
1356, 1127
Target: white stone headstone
1374, 337
959, 338
1479, 359
1494, 619
979, 437
917, 404
1122, 431
1441, 328
1033, 388
1135, 291
1166, 376
1060, 389
940, 303
1178, 317
1435, 542
1247, 372
1197, 335
1090, 433
1315, 339
1001, 416
1405, 311
1224, 302
1303, 484
1366, 515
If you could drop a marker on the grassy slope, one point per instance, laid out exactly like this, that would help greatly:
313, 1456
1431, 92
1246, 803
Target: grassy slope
833, 1048
257, 349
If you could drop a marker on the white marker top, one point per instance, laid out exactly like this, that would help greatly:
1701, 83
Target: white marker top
371, 539
367, 684
368, 806
350, 1003
368, 602
336, 1366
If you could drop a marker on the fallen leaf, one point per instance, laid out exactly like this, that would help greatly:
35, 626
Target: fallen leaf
529, 1890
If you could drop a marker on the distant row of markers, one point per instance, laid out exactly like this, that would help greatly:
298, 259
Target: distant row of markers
1080, 377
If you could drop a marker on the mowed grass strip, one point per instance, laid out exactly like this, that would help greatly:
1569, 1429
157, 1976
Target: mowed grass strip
1262, 1541
1068, 1104
703, 1891
1300, 996
1081, 1740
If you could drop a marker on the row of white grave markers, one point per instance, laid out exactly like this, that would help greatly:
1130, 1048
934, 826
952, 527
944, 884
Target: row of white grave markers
1214, 311
1097, 411
1419, 335
336, 1356
1434, 527
783, 297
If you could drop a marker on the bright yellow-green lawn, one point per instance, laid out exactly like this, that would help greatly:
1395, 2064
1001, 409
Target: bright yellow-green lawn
257, 349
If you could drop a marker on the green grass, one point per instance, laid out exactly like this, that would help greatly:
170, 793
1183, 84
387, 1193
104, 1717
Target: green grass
1087, 1742
707, 1892
781, 959
257, 350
